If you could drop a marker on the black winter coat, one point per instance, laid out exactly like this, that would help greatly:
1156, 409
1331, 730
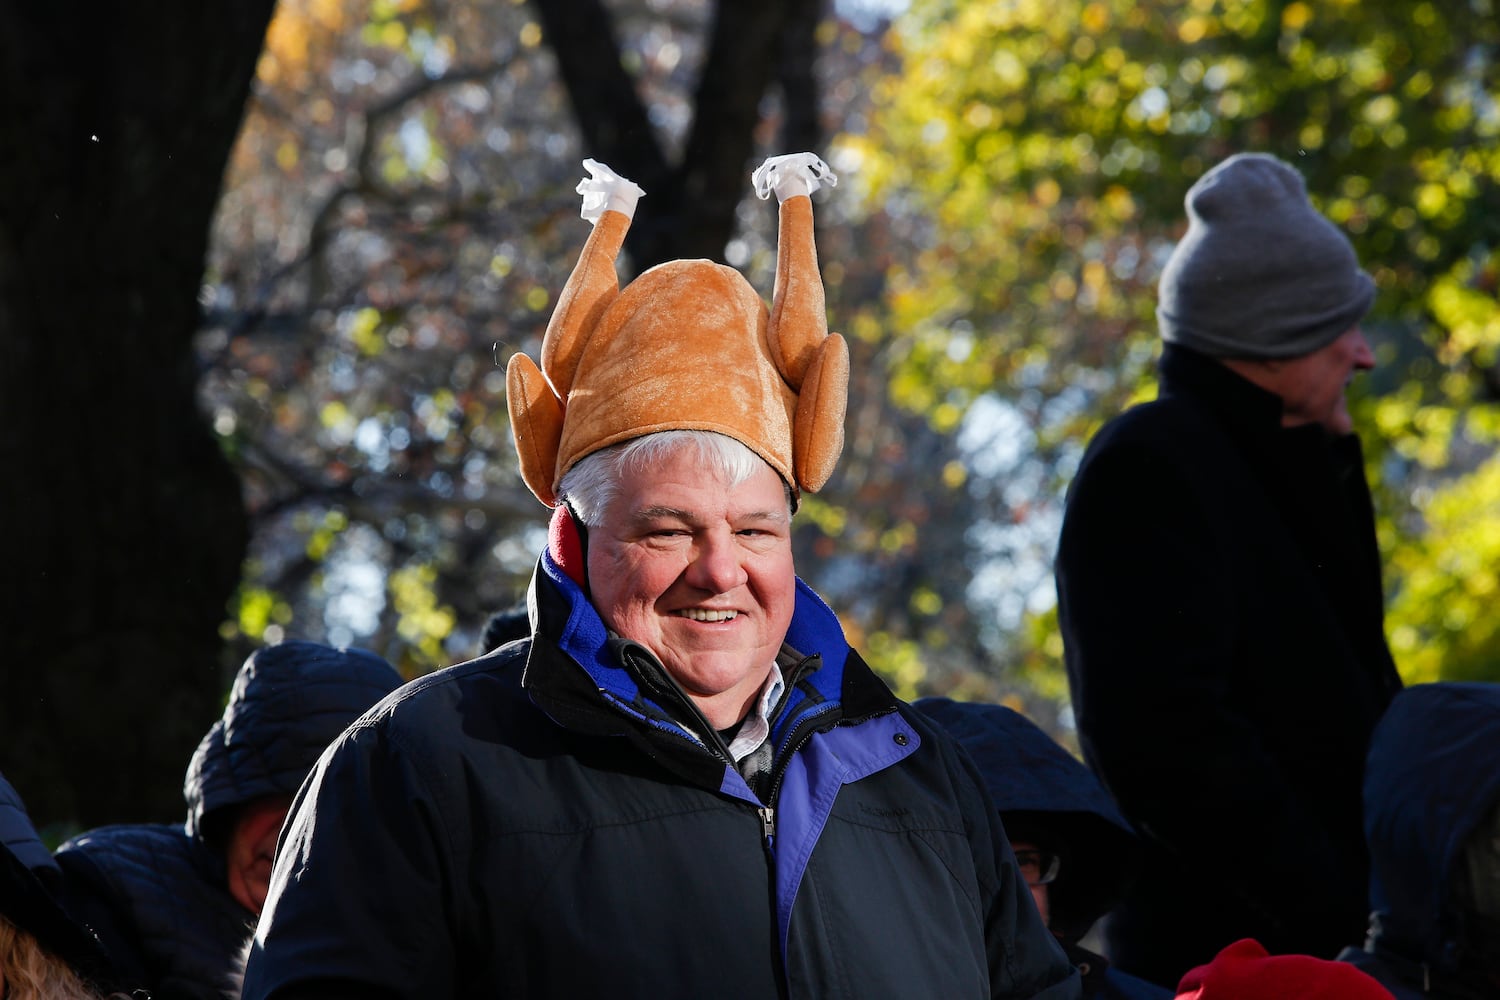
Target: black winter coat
158, 902
535, 823
1222, 615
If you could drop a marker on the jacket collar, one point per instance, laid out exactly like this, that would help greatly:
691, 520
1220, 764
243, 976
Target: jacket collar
602, 692
1240, 402
1252, 416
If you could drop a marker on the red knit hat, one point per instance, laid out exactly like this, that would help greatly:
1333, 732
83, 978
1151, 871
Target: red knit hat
1245, 971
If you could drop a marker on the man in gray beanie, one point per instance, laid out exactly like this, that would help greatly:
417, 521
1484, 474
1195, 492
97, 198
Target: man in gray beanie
1219, 590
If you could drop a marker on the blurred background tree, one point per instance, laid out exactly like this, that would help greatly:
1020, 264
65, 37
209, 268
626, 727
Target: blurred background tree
375, 449
398, 213
126, 530
1033, 157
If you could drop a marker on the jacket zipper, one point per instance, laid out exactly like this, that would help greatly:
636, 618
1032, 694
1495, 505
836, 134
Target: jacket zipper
714, 743
804, 732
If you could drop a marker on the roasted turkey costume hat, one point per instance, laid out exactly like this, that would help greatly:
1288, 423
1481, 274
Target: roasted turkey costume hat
688, 345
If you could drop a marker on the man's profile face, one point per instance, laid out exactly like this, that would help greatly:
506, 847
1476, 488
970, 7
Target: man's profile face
252, 848
699, 573
1312, 386
1027, 858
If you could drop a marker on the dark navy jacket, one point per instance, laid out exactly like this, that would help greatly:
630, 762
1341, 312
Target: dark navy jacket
156, 894
1047, 796
534, 823
1432, 777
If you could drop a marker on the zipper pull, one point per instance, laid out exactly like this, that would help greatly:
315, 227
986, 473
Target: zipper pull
768, 823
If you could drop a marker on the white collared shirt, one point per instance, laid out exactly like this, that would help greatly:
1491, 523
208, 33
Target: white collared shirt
757, 725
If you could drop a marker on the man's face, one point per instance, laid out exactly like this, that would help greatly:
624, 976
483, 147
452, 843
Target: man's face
1028, 858
700, 574
252, 848
1312, 387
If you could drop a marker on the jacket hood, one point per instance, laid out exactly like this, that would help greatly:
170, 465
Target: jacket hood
1038, 786
29, 882
288, 702
1429, 781
18, 834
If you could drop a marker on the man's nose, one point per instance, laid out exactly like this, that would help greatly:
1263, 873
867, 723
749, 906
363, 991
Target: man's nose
716, 565
1364, 357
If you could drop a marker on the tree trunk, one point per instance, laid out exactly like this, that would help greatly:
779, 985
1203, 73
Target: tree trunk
125, 521
689, 208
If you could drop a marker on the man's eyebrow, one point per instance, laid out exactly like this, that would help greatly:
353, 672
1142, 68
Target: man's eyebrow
662, 512
778, 516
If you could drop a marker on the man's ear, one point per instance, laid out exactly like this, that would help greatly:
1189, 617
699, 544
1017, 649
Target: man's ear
567, 538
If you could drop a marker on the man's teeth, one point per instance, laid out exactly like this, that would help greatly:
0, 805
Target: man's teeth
700, 615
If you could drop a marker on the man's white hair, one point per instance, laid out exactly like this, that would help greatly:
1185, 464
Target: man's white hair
593, 483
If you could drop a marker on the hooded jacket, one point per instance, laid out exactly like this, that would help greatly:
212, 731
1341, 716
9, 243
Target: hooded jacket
536, 823
1431, 780
157, 894
29, 881
1042, 791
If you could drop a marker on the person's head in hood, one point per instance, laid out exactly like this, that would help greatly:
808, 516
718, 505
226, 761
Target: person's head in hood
288, 703
44, 953
1432, 821
1476, 890
1083, 849
1073, 848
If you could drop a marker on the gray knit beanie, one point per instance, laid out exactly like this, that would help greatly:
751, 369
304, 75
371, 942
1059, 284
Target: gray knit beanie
1259, 274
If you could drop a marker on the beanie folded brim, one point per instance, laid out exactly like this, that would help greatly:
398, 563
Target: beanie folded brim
1260, 272
1269, 330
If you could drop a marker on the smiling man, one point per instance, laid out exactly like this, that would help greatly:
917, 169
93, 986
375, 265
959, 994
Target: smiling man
1219, 589
685, 783
697, 569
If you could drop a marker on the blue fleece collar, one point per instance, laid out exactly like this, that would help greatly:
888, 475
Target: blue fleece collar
815, 630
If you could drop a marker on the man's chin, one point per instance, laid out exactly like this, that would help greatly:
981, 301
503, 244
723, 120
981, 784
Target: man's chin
1339, 426
707, 673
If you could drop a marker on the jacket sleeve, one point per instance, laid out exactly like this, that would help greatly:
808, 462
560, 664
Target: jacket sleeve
1146, 588
1025, 960
360, 899
90, 898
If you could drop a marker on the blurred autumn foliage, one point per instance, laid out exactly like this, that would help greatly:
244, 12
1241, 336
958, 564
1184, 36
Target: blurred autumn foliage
379, 257
1041, 151
397, 214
